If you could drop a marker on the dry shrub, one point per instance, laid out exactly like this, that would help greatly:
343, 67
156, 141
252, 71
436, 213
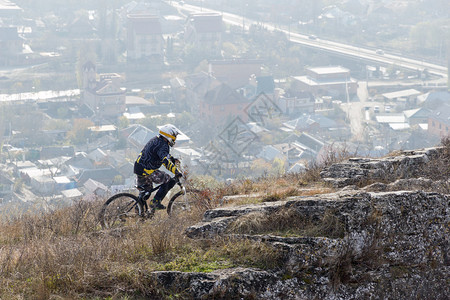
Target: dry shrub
64, 252
439, 167
369, 257
280, 195
206, 193
102, 263
250, 253
82, 216
241, 186
252, 223
329, 226
341, 266
288, 221
206, 199
332, 155
59, 264
277, 187
165, 233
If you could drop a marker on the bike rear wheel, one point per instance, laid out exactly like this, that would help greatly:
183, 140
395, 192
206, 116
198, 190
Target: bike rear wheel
120, 210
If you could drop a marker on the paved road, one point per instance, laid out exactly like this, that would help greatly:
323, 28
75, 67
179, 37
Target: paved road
360, 112
355, 112
369, 55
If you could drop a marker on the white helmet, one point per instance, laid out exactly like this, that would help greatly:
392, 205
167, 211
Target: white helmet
169, 132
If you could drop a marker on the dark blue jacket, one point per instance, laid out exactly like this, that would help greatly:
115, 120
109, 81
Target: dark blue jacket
154, 154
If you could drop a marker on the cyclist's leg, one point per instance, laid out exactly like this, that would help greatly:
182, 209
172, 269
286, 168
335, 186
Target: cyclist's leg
144, 182
166, 183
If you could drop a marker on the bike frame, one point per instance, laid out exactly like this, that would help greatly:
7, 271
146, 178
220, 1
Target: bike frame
145, 194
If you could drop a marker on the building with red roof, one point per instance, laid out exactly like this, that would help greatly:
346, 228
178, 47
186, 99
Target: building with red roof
145, 42
204, 31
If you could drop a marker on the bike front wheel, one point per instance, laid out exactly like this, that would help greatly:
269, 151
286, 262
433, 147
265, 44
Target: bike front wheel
120, 210
183, 201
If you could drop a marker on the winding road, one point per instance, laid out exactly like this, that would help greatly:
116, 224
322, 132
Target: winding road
360, 53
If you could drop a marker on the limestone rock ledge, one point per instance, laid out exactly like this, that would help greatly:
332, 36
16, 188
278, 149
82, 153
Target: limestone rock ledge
392, 242
395, 245
406, 164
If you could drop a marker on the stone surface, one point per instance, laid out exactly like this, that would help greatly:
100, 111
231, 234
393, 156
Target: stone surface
392, 240
411, 184
358, 171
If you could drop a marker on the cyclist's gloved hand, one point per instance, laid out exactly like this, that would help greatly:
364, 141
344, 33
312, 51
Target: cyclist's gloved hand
178, 174
174, 160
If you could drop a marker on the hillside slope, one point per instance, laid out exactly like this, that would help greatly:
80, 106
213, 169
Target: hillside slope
371, 228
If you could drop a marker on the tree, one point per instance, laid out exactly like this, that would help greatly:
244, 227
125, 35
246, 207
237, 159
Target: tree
184, 120
80, 131
260, 166
430, 36
202, 66
118, 179
123, 122
57, 125
279, 166
229, 50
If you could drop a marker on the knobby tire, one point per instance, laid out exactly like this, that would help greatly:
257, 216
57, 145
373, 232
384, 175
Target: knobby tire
120, 208
178, 203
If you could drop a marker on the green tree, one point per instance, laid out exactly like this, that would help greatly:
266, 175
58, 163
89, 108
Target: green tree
80, 131
229, 50
62, 112
59, 124
260, 166
123, 122
278, 166
118, 179
431, 35
184, 120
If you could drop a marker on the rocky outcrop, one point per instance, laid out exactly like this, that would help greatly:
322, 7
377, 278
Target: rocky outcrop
412, 184
394, 245
216, 221
220, 284
383, 235
362, 171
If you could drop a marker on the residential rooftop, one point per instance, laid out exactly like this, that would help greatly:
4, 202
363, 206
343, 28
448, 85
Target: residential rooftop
329, 70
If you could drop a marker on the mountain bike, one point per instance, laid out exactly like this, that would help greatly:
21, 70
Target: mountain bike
128, 208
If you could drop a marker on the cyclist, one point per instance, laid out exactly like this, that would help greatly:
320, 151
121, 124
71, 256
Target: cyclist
155, 154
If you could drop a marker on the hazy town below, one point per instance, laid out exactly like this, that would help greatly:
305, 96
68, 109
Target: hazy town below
257, 88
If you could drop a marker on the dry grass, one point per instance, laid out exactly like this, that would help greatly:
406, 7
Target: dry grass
332, 155
64, 253
282, 186
289, 222
439, 167
269, 189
